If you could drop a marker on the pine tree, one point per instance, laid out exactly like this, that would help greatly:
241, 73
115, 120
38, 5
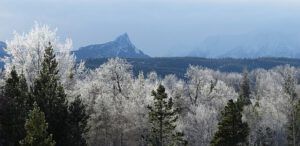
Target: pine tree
244, 95
231, 130
78, 123
163, 118
13, 109
36, 130
51, 98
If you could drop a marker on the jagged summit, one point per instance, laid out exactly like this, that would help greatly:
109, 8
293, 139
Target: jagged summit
123, 39
120, 47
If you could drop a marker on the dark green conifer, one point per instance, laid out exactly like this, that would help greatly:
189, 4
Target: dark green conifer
78, 119
232, 131
50, 96
13, 111
36, 130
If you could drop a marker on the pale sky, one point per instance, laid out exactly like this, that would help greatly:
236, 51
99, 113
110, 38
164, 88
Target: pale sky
157, 27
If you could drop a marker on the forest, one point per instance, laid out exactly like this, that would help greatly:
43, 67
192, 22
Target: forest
178, 65
48, 99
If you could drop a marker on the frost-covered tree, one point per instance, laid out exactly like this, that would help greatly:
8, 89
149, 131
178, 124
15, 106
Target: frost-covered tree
197, 77
270, 107
26, 53
175, 88
117, 73
110, 86
200, 125
213, 95
290, 90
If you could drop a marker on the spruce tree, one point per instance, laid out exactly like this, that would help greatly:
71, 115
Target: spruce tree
78, 119
231, 130
244, 94
36, 130
163, 118
50, 96
13, 109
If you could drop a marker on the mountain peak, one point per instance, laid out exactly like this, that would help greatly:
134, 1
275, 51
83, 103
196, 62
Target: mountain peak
123, 39
120, 47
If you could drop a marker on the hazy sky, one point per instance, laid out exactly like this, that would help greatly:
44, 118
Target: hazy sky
158, 27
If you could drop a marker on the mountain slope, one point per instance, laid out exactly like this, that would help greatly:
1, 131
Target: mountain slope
120, 47
251, 45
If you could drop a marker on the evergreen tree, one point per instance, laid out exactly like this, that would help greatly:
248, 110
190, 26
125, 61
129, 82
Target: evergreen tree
13, 109
231, 130
78, 123
244, 95
36, 130
163, 118
50, 96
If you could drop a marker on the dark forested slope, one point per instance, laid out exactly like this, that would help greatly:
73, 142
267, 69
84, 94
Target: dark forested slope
178, 65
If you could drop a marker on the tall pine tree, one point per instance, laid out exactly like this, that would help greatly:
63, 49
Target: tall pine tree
36, 130
231, 130
50, 96
13, 111
163, 118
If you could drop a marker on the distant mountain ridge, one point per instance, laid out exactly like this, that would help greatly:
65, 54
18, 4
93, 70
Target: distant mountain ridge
250, 45
120, 47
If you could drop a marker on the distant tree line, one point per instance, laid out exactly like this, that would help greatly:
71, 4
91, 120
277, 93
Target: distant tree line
178, 65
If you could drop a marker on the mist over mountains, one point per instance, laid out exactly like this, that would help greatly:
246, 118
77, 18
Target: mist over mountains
250, 45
